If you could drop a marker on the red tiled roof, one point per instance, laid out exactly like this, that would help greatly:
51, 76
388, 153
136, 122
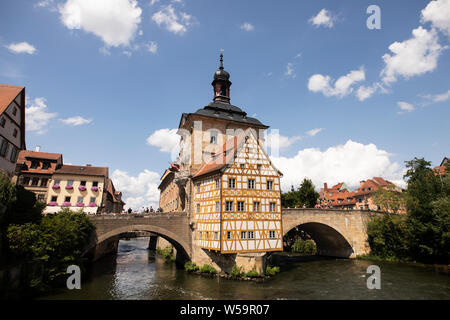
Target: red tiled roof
83, 170
225, 157
40, 155
7, 94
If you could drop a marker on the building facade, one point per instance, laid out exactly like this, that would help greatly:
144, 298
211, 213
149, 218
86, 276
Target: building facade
34, 170
224, 179
12, 126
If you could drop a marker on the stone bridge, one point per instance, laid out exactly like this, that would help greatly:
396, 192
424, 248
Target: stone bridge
338, 233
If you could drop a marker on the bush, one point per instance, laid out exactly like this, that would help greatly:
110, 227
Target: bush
236, 271
252, 273
167, 253
48, 248
271, 271
206, 268
191, 266
306, 247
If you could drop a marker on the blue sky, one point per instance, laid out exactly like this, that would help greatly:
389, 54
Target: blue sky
295, 65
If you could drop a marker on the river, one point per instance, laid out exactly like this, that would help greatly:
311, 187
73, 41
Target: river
137, 273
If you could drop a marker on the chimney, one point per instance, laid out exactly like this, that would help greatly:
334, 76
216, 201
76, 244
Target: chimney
38, 148
325, 186
88, 165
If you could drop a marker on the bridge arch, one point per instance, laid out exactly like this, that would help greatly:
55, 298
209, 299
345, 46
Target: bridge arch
329, 241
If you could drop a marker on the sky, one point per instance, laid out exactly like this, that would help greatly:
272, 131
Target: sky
349, 99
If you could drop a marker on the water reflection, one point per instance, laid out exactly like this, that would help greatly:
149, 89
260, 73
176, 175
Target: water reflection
136, 273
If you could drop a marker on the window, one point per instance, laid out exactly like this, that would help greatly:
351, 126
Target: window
92, 200
272, 234
2, 122
56, 181
200, 235
250, 235
232, 183
228, 235
339, 200
70, 182
256, 206
41, 198
80, 200
269, 184
258, 166
242, 166
243, 235
360, 200
369, 189
35, 181
229, 206
83, 183
207, 235
26, 181
3, 148
240, 206
360, 207
95, 183
216, 236
44, 182
67, 199
14, 153
34, 164
213, 137
273, 207
217, 183
54, 198
198, 187
14, 111
45, 165
251, 184
15, 132
198, 208
217, 206
363, 189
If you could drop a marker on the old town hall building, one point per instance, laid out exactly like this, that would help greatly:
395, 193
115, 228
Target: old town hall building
224, 179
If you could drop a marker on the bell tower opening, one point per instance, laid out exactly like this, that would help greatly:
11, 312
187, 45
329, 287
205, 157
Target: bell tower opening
221, 84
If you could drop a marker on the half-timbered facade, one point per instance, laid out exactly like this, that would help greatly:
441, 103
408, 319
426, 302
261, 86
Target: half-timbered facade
237, 199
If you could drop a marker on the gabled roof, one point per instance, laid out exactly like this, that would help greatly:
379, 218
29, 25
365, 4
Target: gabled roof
24, 154
83, 170
228, 153
7, 94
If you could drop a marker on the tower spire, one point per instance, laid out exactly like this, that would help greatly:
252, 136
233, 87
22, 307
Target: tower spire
221, 83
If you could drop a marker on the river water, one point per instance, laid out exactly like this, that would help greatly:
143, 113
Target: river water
137, 273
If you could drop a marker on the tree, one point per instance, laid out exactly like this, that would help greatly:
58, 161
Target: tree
308, 196
388, 199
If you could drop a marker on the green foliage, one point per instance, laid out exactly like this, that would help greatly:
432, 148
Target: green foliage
191, 266
206, 268
423, 234
17, 206
253, 273
237, 271
304, 196
48, 248
306, 247
387, 236
388, 199
271, 271
167, 253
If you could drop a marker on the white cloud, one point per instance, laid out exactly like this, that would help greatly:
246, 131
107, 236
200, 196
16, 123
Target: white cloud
151, 46
275, 140
405, 107
140, 190
438, 13
114, 21
37, 116
323, 18
152, 2
76, 121
412, 57
21, 47
438, 97
167, 140
313, 132
290, 70
247, 26
350, 163
342, 86
168, 18
365, 92
298, 55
